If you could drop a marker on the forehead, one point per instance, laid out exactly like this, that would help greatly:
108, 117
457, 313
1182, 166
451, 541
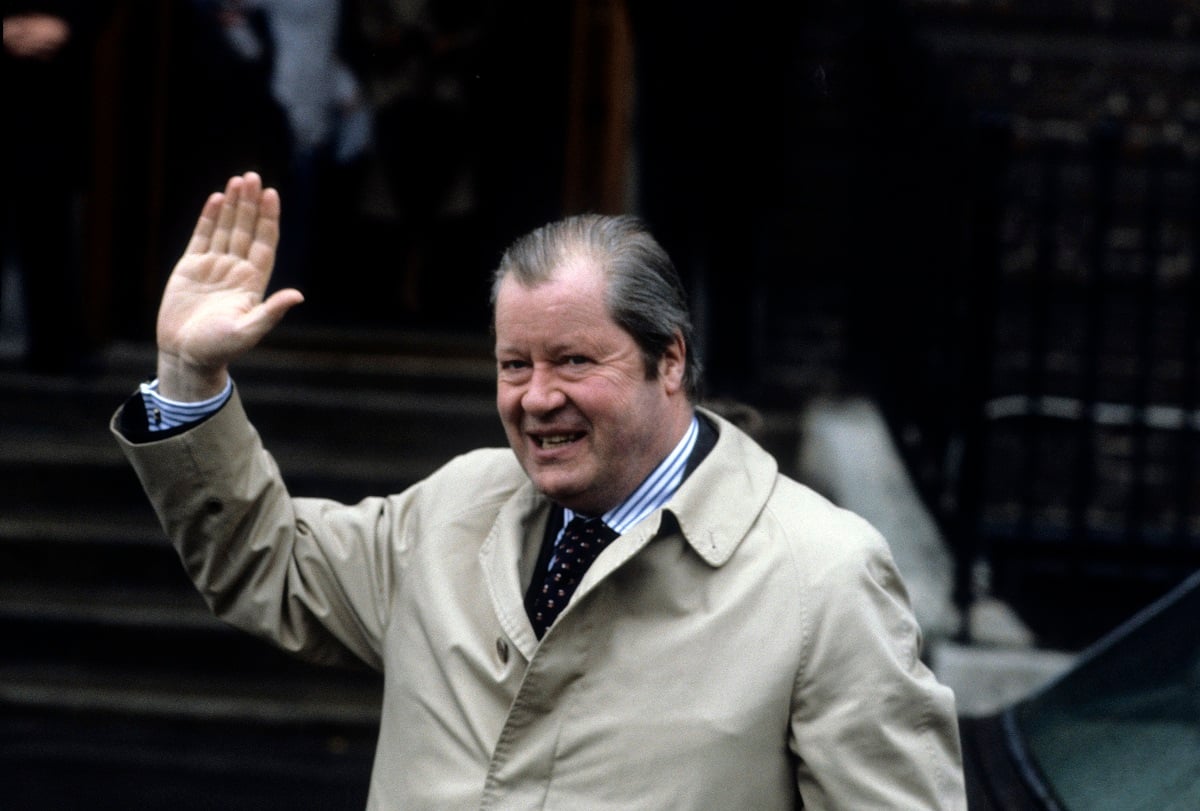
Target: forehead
578, 284
570, 307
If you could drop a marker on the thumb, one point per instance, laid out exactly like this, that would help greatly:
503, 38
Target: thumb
263, 318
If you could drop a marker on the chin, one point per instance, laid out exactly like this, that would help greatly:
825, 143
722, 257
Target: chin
567, 497
564, 495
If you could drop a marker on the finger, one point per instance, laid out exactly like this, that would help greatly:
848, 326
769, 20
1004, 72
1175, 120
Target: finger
266, 232
205, 224
247, 215
226, 217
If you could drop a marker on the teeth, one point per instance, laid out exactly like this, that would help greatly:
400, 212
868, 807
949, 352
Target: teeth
555, 441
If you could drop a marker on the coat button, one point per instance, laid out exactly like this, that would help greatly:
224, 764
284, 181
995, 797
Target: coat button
502, 649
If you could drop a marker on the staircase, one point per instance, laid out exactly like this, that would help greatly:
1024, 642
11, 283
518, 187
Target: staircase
117, 687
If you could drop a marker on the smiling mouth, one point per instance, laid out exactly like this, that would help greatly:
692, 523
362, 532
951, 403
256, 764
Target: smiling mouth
551, 441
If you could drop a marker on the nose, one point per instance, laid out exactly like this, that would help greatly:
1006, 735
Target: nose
543, 393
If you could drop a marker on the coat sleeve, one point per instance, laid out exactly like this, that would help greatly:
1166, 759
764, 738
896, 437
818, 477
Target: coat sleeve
313, 576
871, 726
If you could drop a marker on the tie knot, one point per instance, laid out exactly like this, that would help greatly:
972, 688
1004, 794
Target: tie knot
581, 525
584, 539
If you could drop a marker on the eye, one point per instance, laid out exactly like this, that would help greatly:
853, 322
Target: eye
576, 360
513, 365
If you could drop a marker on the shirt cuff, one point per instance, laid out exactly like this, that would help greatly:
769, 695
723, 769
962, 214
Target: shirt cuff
162, 414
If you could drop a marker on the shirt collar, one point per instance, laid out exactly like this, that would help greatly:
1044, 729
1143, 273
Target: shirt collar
657, 488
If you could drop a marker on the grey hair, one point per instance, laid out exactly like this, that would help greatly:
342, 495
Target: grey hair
645, 296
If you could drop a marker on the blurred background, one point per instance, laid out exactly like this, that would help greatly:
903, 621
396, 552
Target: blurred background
942, 257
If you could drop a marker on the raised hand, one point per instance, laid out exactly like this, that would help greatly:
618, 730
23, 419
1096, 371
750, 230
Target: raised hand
213, 310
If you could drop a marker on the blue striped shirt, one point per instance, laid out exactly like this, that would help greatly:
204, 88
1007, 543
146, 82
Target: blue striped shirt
162, 413
655, 491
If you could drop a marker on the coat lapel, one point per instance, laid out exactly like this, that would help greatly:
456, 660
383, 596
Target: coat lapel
507, 558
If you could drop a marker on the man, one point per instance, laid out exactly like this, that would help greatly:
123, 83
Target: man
738, 642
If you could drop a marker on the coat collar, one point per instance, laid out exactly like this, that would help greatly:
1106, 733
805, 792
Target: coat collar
716, 506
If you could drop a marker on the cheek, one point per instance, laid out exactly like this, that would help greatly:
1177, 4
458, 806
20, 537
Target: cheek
510, 420
508, 402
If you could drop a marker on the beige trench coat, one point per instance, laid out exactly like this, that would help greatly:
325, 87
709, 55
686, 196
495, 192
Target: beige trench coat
745, 647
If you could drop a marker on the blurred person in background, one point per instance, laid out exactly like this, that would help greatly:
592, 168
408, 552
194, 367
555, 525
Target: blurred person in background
328, 120
48, 51
420, 63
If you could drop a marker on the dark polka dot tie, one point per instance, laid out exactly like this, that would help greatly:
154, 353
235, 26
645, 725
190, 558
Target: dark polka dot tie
581, 542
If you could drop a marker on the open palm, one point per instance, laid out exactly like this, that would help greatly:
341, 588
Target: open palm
213, 309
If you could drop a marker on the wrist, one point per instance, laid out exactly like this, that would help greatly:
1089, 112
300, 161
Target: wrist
185, 382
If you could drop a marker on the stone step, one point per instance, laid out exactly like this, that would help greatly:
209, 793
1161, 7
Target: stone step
345, 420
131, 562
73, 480
343, 446
219, 697
158, 652
151, 607
65, 758
142, 628
81, 640
333, 359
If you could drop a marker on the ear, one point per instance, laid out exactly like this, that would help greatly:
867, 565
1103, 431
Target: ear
672, 364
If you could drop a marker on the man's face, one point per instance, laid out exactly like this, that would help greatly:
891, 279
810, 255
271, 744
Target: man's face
585, 423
